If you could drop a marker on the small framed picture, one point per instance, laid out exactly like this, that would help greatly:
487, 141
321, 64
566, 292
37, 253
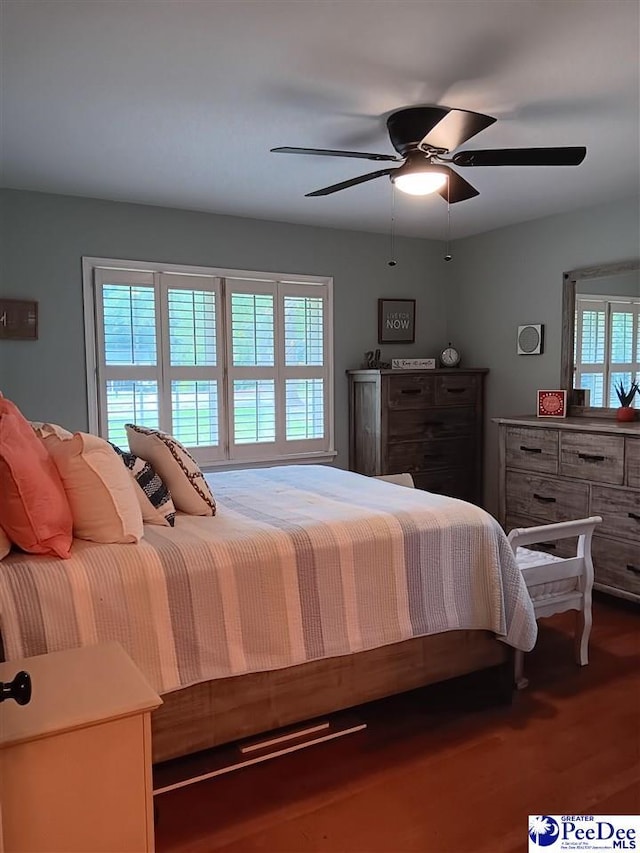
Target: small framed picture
18, 320
396, 321
552, 404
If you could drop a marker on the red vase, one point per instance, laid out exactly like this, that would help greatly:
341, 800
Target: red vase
625, 414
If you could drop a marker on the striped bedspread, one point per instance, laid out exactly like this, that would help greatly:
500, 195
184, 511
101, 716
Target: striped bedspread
300, 562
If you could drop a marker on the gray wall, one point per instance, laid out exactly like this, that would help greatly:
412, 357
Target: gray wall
506, 278
496, 281
624, 284
44, 237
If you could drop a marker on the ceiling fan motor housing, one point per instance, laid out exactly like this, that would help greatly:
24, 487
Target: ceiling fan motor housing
407, 128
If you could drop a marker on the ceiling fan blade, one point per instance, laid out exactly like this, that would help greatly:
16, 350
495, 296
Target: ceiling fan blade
455, 128
329, 152
458, 189
334, 188
522, 157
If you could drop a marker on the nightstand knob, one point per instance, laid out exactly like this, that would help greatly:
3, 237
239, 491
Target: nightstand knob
18, 689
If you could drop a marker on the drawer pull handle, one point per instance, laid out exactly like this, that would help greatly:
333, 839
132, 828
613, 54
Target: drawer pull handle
410, 391
633, 569
544, 499
530, 449
455, 390
19, 689
591, 457
634, 516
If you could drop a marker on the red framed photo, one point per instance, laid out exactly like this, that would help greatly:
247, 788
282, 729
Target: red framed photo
552, 404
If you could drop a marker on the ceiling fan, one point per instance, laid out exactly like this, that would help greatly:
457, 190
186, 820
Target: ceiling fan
422, 136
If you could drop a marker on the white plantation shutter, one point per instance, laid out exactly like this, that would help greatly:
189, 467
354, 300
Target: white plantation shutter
237, 367
252, 372
192, 370
590, 347
128, 363
305, 366
625, 363
304, 406
278, 372
607, 346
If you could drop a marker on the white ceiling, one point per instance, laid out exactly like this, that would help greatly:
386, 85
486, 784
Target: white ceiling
177, 102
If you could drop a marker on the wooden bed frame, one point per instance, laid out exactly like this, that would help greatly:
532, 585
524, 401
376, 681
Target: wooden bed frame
222, 710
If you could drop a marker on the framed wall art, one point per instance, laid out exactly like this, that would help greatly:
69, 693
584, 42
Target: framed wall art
18, 320
531, 339
552, 404
396, 321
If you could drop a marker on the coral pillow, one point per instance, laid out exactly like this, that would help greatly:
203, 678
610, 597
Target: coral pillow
34, 510
5, 544
176, 466
99, 488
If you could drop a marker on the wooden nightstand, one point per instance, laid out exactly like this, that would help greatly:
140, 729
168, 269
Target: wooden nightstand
75, 763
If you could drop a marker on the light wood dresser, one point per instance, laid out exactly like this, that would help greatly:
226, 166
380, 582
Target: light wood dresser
560, 469
75, 763
424, 422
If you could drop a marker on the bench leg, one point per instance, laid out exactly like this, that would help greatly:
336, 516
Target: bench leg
521, 681
583, 630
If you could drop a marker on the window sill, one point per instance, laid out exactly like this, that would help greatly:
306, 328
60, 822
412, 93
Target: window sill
293, 459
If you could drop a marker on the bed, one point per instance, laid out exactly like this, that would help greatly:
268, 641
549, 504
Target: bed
312, 589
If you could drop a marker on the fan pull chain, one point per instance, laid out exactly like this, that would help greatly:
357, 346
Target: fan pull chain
392, 261
447, 250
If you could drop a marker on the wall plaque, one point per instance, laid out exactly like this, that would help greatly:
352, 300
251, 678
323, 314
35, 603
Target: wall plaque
18, 320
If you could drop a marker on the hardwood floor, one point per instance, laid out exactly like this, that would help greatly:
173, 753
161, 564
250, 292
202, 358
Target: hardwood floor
432, 775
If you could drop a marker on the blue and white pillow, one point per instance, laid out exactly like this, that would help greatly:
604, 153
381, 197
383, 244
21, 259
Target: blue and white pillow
153, 495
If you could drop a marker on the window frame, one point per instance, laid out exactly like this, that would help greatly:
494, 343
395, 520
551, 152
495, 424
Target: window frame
223, 282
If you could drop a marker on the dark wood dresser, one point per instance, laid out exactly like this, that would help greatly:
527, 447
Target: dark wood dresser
425, 422
559, 469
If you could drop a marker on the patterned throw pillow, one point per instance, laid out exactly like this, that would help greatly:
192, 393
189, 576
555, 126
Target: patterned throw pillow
177, 467
153, 495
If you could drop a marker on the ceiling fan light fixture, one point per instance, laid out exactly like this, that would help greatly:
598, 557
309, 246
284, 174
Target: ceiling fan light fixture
417, 177
420, 183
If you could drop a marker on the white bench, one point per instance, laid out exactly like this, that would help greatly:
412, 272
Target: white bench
557, 584
398, 479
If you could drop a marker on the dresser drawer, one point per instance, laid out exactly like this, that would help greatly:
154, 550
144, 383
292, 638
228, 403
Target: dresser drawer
545, 498
413, 456
594, 456
532, 449
561, 548
620, 511
456, 390
410, 391
616, 564
632, 456
420, 424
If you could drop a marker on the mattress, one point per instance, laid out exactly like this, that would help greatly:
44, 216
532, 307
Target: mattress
299, 563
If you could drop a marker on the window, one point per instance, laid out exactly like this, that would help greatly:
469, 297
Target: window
237, 366
607, 346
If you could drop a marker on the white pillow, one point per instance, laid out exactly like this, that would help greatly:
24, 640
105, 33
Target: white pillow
99, 489
44, 430
176, 466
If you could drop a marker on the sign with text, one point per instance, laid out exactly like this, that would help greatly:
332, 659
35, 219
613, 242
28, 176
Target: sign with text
396, 321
